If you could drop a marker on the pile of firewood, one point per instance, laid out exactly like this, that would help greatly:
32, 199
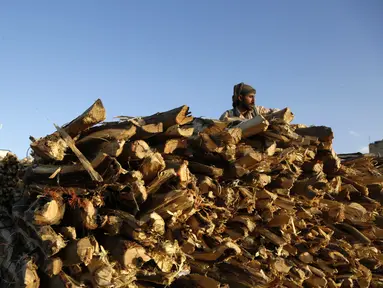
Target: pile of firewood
173, 200
10, 166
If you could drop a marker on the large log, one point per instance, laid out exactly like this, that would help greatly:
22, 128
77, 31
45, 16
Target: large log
52, 147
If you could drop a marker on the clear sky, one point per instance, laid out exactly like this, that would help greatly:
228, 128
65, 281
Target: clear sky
323, 59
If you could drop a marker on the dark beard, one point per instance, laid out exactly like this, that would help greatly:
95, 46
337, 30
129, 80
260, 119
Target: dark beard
247, 107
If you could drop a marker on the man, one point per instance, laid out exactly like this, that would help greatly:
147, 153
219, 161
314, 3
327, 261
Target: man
243, 105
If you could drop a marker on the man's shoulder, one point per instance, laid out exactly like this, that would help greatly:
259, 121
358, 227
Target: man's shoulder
226, 114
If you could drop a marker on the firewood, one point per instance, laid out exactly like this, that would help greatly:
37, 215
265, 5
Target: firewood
162, 177
208, 126
128, 254
46, 211
205, 170
68, 232
82, 215
323, 133
85, 163
171, 202
172, 117
181, 170
70, 175
285, 115
198, 202
253, 126
136, 150
53, 147
171, 145
112, 148
177, 131
53, 266
106, 132
79, 251
148, 131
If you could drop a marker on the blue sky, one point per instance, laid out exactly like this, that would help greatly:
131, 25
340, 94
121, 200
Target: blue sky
323, 59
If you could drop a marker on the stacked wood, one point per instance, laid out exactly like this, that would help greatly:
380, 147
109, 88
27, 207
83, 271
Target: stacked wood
172, 200
10, 169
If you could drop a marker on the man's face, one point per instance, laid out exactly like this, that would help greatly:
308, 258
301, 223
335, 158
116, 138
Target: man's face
248, 100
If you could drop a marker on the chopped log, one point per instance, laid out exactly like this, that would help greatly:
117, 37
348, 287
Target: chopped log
136, 150
208, 126
211, 171
207, 143
253, 126
172, 144
129, 254
177, 131
43, 237
79, 251
74, 175
27, 273
151, 166
85, 163
270, 148
249, 161
162, 178
206, 185
106, 132
68, 232
83, 214
112, 148
53, 266
153, 223
172, 117
182, 171
53, 147
231, 136
285, 115
46, 211
168, 203
323, 133
148, 131
222, 251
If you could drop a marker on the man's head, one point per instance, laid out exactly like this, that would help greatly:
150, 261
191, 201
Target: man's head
244, 96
